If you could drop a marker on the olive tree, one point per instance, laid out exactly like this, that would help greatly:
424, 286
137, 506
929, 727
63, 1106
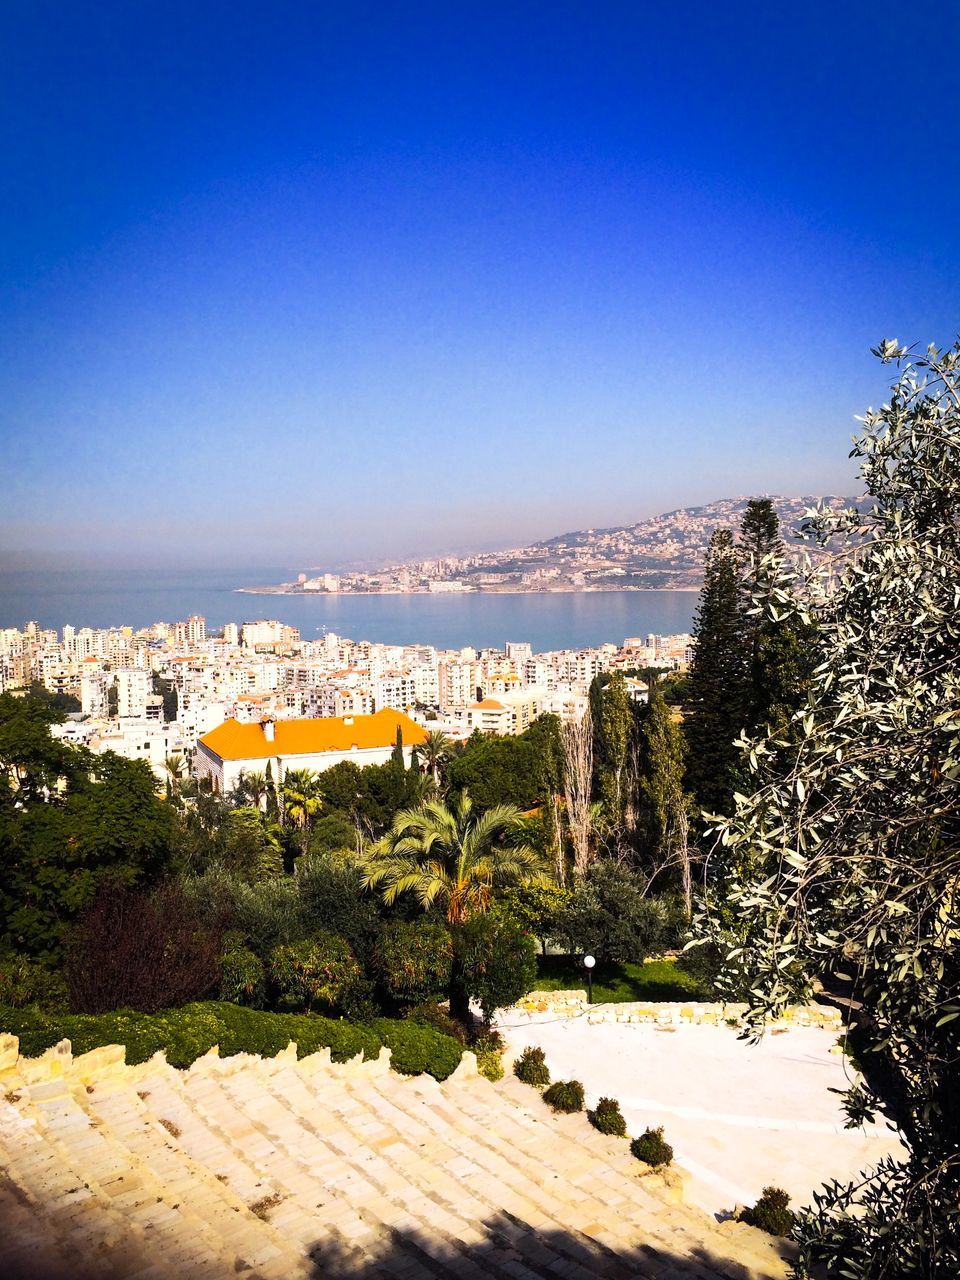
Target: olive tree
841, 868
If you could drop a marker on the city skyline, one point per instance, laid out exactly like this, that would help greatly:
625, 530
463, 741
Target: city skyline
328, 287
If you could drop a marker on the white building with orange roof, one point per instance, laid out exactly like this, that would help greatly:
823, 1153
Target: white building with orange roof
233, 748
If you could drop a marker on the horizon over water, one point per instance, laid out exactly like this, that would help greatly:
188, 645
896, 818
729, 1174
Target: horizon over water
102, 598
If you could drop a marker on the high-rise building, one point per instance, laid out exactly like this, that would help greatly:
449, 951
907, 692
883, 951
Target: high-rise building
134, 687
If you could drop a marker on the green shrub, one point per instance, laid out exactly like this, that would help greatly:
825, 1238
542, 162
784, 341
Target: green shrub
330, 895
608, 1118
270, 913
316, 971
242, 978
433, 1015
489, 1046
416, 1049
652, 1148
531, 1067
564, 1095
25, 982
499, 960
610, 915
490, 1064
770, 1213
412, 960
255, 1031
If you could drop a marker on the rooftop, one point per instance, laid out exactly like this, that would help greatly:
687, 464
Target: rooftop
235, 741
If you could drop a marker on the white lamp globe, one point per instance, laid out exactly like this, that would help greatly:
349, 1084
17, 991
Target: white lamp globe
589, 962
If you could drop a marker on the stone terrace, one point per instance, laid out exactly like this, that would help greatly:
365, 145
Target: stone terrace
285, 1168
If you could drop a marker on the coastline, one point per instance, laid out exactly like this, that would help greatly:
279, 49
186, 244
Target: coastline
435, 595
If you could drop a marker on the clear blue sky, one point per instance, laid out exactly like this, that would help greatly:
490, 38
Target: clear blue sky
307, 283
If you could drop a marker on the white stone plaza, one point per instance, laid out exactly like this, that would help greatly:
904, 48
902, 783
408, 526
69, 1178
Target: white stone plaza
740, 1116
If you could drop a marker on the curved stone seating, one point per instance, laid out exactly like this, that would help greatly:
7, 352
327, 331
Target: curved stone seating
285, 1168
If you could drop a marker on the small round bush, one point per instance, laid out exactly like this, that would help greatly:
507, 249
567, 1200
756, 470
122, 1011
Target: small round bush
488, 1046
652, 1148
531, 1067
242, 978
317, 972
608, 1118
565, 1095
770, 1213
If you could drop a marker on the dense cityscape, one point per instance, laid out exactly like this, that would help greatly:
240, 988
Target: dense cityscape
154, 693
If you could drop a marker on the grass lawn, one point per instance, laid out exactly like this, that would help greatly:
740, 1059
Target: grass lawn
615, 983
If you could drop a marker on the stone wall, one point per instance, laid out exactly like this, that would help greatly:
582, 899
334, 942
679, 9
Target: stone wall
573, 1004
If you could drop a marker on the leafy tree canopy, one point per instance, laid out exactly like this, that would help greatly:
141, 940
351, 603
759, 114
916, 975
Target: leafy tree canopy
842, 865
70, 823
517, 770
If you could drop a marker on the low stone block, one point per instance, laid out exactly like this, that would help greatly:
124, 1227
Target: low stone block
466, 1068
98, 1062
49, 1065
9, 1052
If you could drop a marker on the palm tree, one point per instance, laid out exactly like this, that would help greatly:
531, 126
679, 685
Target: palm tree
433, 753
174, 766
253, 785
452, 858
301, 799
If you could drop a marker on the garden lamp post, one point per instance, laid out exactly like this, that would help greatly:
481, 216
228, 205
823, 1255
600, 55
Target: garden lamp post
588, 963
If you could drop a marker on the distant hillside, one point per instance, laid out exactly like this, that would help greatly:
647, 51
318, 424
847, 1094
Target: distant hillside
662, 551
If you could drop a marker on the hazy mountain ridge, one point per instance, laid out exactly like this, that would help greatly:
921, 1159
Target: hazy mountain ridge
666, 550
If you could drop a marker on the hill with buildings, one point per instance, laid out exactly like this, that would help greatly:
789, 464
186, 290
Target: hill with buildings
663, 552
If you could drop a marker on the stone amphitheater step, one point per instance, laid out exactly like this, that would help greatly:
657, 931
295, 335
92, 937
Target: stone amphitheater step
280, 1168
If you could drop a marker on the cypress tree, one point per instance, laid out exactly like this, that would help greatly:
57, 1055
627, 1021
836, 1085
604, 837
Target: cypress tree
272, 799
664, 803
396, 756
614, 726
778, 649
717, 685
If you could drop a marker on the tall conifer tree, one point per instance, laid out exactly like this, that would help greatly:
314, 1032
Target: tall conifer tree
718, 693
664, 803
614, 730
778, 646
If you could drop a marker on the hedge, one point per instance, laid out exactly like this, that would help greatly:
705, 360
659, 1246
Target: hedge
187, 1033
416, 1049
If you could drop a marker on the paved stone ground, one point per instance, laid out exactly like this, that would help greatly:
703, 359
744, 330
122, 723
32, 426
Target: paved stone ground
739, 1116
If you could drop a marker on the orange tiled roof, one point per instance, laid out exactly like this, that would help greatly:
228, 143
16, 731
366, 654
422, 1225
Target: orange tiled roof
488, 704
235, 741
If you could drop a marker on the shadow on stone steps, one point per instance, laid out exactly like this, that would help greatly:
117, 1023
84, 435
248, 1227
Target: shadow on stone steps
511, 1251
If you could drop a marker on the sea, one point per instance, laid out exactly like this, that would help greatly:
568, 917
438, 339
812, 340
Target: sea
562, 620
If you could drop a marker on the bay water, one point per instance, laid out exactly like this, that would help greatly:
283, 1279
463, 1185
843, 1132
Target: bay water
125, 597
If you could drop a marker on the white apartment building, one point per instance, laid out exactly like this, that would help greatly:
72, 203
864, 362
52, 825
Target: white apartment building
134, 687
267, 632
508, 713
395, 690
518, 653
95, 693
141, 739
457, 681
